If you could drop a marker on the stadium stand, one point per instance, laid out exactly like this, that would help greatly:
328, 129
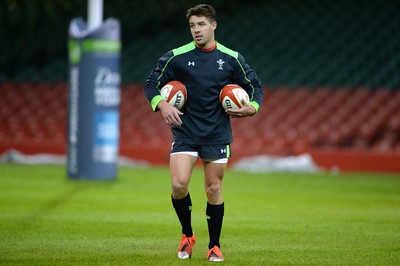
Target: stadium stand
291, 122
329, 68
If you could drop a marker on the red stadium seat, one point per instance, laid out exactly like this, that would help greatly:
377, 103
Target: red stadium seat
290, 121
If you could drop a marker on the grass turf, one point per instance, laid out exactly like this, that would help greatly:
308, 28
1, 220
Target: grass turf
270, 219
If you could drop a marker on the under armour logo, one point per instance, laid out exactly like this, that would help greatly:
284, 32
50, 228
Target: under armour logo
223, 150
191, 63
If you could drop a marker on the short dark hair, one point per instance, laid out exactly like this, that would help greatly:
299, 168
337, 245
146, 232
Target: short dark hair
202, 10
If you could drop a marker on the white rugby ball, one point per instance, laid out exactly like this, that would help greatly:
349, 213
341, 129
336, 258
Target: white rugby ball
233, 96
174, 92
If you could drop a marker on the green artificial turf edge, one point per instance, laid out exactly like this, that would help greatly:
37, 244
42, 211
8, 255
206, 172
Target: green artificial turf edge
270, 219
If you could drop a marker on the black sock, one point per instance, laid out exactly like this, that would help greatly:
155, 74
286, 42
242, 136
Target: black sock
215, 214
183, 208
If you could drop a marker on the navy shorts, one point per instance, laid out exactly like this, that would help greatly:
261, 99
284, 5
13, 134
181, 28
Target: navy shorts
205, 152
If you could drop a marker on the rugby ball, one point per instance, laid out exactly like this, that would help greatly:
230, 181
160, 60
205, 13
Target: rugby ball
174, 92
233, 96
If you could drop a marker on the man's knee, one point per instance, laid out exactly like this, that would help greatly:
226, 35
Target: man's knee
179, 189
214, 192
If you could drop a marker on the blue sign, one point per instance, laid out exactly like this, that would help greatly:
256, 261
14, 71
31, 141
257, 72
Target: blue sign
105, 137
94, 98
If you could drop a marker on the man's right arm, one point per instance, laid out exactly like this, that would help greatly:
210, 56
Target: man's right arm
158, 77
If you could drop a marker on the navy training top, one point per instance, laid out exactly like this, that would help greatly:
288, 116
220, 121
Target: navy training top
204, 73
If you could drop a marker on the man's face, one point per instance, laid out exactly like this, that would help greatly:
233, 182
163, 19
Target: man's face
202, 31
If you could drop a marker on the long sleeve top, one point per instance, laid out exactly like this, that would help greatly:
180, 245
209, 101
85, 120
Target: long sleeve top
204, 73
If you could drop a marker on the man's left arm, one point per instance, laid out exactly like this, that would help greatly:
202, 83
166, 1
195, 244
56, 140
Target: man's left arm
248, 80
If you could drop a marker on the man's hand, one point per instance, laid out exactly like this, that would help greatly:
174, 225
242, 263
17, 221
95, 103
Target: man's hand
246, 110
170, 114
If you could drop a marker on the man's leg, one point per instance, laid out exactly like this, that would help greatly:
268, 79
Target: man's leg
214, 173
181, 166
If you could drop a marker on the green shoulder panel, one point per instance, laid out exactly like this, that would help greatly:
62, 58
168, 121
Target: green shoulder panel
184, 48
228, 51
177, 51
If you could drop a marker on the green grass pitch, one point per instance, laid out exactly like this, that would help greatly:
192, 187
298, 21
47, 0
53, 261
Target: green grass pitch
270, 219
